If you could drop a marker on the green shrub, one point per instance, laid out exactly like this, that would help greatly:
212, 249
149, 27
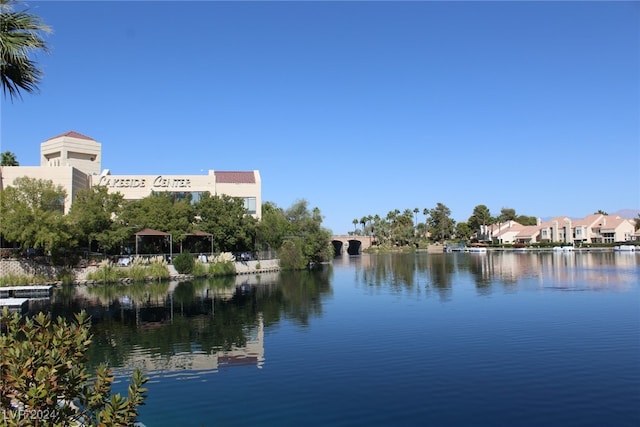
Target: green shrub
66, 277
200, 269
291, 256
43, 368
222, 268
107, 273
184, 263
21, 280
158, 270
137, 273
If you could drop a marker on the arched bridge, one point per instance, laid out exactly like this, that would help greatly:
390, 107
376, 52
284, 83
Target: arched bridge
351, 245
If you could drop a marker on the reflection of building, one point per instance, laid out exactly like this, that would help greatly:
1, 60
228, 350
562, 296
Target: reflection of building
153, 308
560, 269
251, 354
74, 161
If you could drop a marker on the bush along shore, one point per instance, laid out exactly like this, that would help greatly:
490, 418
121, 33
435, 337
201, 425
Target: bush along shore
149, 269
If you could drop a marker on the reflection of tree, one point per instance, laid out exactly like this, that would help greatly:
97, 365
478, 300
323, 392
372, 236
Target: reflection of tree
405, 271
217, 285
396, 271
204, 315
106, 293
441, 270
478, 268
66, 294
403, 268
184, 293
298, 297
139, 293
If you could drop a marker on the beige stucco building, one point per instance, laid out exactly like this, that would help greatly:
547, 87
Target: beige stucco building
245, 185
72, 149
74, 161
68, 177
594, 228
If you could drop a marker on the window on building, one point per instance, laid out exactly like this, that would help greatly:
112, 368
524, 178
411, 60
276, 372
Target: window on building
57, 205
250, 205
192, 196
196, 196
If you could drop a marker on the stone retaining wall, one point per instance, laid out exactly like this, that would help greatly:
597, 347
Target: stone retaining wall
246, 267
27, 267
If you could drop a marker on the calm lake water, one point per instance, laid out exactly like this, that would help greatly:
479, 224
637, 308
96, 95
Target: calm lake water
498, 339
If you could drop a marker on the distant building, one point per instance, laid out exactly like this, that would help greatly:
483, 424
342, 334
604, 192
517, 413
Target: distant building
595, 228
74, 161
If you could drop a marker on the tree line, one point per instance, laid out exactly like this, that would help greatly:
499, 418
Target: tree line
398, 228
33, 217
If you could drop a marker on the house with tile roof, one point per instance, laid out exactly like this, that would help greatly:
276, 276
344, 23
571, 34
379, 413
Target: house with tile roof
527, 235
611, 229
594, 228
583, 228
507, 232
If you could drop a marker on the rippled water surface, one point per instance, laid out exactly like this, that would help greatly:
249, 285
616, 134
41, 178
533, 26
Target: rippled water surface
496, 339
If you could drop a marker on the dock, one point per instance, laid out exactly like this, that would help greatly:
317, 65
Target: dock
16, 298
40, 291
20, 305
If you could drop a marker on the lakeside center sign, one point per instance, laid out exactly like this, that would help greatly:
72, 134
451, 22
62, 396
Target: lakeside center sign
158, 182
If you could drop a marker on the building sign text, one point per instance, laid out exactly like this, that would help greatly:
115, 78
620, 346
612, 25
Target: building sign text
159, 182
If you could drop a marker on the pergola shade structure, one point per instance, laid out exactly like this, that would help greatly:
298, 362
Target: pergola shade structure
148, 232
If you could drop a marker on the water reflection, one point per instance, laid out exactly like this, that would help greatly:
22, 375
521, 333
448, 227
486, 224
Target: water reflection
507, 325
192, 327
200, 326
437, 273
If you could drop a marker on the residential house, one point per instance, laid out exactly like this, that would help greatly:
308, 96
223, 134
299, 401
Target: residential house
583, 228
612, 229
594, 228
507, 232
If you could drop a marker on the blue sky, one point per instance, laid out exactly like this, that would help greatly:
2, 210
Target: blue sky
358, 107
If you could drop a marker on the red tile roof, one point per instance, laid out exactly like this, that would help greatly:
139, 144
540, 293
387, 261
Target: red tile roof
151, 232
611, 223
528, 231
72, 134
235, 177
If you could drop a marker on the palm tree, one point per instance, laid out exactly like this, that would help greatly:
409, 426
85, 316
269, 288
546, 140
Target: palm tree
7, 158
20, 36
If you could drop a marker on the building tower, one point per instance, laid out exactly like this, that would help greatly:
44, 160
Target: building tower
72, 149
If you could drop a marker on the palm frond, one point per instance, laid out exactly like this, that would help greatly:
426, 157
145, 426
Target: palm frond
21, 35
